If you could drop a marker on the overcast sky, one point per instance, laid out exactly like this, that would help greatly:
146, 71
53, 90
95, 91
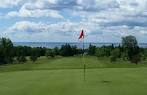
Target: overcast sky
62, 20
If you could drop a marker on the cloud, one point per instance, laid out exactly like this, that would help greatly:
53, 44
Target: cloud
10, 3
26, 31
107, 20
79, 5
97, 5
25, 12
67, 31
26, 26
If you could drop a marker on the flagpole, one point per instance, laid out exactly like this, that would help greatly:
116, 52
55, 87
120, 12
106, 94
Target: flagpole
83, 55
84, 59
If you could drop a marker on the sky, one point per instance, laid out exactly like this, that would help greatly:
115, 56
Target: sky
62, 20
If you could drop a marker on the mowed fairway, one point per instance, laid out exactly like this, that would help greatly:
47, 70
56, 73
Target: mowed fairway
64, 76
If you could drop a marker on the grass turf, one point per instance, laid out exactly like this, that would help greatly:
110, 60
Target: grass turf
64, 76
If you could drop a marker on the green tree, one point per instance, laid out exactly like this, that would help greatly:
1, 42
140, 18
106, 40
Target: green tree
124, 55
130, 45
100, 52
66, 50
129, 42
50, 53
104, 51
115, 54
6, 51
56, 51
34, 54
144, 53
20, 54
74, 50
91, 50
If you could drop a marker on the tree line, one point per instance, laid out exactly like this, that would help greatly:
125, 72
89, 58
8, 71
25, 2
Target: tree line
128, 50
19, 54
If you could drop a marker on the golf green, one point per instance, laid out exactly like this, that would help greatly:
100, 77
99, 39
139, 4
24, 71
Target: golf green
99, 81
109, 81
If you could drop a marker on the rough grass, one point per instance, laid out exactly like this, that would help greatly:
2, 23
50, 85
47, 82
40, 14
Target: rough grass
92, 62
64, 76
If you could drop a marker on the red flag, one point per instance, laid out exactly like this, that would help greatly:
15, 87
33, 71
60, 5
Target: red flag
81, 35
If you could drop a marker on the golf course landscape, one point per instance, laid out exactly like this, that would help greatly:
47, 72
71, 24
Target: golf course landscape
64, 76
73, 47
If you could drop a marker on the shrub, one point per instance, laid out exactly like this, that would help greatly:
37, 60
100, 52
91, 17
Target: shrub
50, 53
136, 59
34, 54
115, 54
113, 58
21, 59
33, 58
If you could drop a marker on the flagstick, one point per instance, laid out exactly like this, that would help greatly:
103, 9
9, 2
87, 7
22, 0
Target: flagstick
84, 61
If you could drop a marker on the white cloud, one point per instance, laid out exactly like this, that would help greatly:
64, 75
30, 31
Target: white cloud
25, 26
97, 5
109, 19
25, 12
9, 3
31, 31
62, 31
69, 31
133, 5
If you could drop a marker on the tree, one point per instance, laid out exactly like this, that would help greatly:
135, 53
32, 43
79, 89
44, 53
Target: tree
104, 51
129, 42
6, 51
143, 53
91, 50
100, 52
74, 50
66, 50
115, 54
34, 54
33, 58
20, 54
56, 51
50, 53
130, 45
124, 55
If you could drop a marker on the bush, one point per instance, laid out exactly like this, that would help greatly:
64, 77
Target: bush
100, 52
50, 53
124, 56
115, 54
56, 51
113, 58
20, 54
143, 57
33, 58
66, 50
21, 59
91, 50
34, 54
135, 59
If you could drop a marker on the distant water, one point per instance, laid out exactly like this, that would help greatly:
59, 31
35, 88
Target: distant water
58, 44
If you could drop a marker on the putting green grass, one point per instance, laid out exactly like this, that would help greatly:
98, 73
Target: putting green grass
64, 76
